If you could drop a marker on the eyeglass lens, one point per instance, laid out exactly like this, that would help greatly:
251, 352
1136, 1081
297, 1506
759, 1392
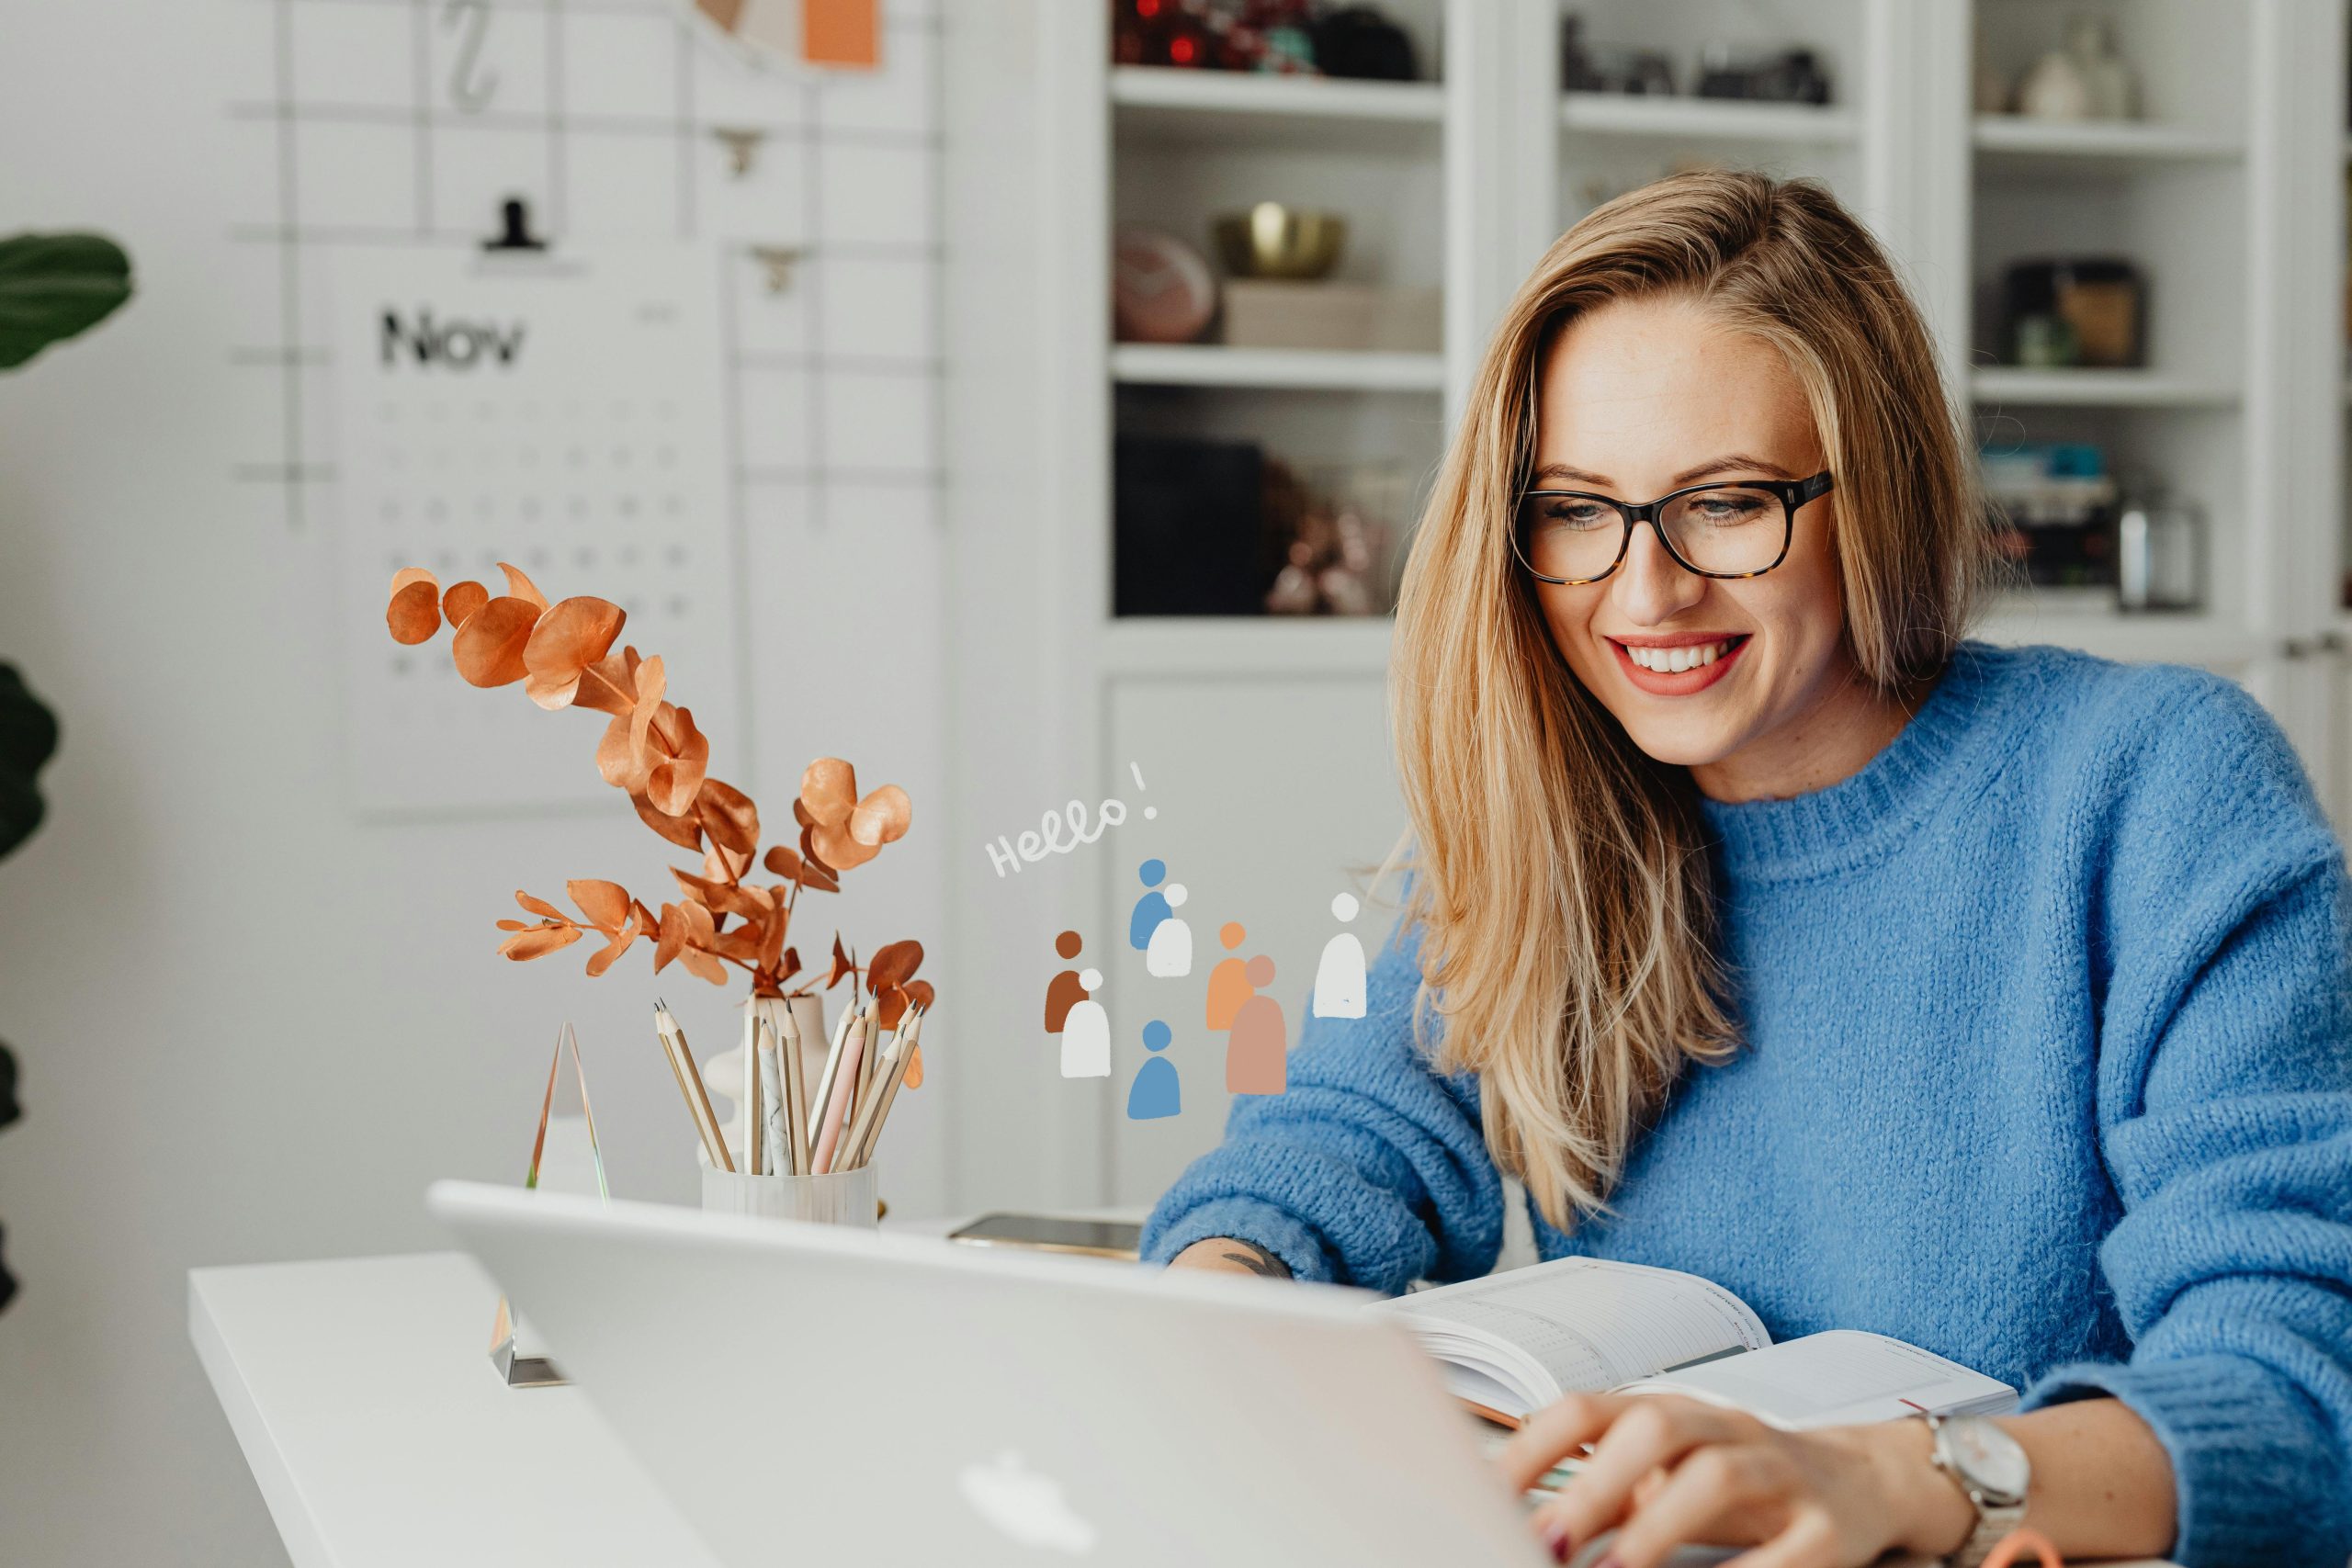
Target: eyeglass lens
1730, 529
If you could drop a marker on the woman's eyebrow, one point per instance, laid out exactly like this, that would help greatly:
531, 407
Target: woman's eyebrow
1740, 461
1735, 462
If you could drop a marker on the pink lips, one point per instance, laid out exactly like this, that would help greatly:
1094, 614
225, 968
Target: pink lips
1682, 682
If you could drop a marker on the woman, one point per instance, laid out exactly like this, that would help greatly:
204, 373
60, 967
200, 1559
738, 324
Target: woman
1995, 999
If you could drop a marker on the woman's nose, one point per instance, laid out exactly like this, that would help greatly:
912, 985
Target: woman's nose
1650, 586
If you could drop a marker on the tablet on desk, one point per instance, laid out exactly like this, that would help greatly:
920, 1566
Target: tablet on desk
1044, 1233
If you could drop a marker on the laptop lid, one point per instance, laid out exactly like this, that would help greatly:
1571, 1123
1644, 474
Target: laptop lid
814, 1394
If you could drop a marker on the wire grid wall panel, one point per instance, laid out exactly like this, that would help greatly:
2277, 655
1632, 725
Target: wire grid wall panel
399, 126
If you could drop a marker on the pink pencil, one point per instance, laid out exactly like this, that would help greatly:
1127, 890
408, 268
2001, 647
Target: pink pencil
844, 1087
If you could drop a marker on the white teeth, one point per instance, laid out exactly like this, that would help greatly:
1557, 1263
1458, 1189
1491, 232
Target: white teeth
1674, 661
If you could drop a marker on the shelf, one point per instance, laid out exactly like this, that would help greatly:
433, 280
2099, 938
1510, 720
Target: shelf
2097, 389
1215, 365
1726, 120
1158, 104
1178, 645
2100, 142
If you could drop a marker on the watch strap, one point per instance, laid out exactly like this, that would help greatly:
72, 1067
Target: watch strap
1993, 1527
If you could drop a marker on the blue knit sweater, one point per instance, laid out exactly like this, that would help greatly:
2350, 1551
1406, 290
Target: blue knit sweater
2047, 1067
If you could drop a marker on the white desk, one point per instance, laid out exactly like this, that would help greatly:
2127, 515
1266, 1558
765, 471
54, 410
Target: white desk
361, 1392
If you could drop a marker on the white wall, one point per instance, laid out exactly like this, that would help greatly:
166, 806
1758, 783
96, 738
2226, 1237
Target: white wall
251, 1025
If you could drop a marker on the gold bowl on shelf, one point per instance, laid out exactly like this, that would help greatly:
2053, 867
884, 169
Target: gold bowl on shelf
1271, 239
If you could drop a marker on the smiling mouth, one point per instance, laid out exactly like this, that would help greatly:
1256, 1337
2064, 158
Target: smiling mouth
1674, 661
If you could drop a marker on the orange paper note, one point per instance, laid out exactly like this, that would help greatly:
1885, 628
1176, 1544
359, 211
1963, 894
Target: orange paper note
842, 32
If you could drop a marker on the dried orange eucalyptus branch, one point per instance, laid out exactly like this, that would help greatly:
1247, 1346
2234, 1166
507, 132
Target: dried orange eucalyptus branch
651, 749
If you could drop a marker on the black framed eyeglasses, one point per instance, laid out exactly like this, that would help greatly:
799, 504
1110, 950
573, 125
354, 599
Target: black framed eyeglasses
1728, 529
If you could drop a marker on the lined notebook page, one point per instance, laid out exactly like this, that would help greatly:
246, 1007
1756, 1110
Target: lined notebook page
1593, 1323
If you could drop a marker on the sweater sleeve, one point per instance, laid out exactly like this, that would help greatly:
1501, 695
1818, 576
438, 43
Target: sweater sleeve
2226, 1122
1370, 1169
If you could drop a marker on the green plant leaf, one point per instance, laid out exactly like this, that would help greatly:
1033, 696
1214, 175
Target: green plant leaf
53, 286
28, 740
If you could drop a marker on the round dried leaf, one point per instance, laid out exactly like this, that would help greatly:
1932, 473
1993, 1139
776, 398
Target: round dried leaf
683, 832
674, 781
521, 587
893, 966
604, 903
829, 791
882, 817
415, 614
781, 861
538, 942
488, 647
728, 815
914, 1069
838, 850
921, 994
462, 599
623, 766
564, 642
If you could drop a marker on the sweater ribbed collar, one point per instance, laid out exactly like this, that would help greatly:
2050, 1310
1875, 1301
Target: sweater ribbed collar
1855, 820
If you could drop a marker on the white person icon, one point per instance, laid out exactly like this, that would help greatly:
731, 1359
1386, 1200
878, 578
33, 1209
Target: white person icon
1339, 978
1169, 955
1086, 1033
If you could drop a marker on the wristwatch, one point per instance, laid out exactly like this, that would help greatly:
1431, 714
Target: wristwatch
1991, 1467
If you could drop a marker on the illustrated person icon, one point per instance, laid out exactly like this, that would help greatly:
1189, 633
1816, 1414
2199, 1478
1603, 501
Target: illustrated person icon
1064, 992
1151, 908
1155, 1093
1229, 982
1086, 1033
1169, 955
1339, 979
1256, 1053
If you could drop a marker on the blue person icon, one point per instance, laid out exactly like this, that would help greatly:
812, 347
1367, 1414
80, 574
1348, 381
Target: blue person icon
1155, 1093
1151, 908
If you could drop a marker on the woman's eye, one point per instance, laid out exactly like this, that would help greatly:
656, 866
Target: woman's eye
1725, 509
1575, 514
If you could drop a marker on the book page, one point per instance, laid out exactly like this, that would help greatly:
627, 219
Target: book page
1838, 1378
1590, 1324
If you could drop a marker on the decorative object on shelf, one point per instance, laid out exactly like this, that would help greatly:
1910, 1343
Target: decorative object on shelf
1357, 42
1272, 313
1185, 527
1783, 77
2115, 87
563, 654
2087, 311
565, 1158
2084, 78
1270, 240
1639, 72
1161, 289
2159, 551
1330, 540
2055, 88
2059, 503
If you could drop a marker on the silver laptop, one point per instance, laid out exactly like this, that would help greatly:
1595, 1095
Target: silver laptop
814, 1396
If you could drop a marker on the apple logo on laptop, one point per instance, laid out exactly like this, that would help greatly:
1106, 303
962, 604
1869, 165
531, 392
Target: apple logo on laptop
1025, 1504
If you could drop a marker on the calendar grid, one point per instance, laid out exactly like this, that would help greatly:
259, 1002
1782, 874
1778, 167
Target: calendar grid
799, 130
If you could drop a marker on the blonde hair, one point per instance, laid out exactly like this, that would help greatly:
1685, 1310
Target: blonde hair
1561, 880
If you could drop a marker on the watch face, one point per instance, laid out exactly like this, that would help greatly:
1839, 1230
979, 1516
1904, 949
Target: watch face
1991, 1460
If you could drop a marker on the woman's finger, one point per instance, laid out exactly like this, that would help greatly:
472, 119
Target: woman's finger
1810, 1542
1721, 1495
1651, 1431
1554, 1432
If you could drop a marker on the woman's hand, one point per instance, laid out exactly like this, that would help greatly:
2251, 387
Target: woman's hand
1225, 1255
1668, 1470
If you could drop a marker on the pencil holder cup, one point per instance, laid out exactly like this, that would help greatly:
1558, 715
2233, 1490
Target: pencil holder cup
838, 1198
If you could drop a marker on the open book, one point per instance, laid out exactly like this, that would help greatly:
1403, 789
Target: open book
1512, 1343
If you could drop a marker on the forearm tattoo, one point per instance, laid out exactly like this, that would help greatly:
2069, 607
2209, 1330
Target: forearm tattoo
1257, 1260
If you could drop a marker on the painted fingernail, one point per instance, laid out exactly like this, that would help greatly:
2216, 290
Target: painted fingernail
1557, 1540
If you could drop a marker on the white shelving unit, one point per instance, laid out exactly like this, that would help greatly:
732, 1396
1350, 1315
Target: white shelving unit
2227, 195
